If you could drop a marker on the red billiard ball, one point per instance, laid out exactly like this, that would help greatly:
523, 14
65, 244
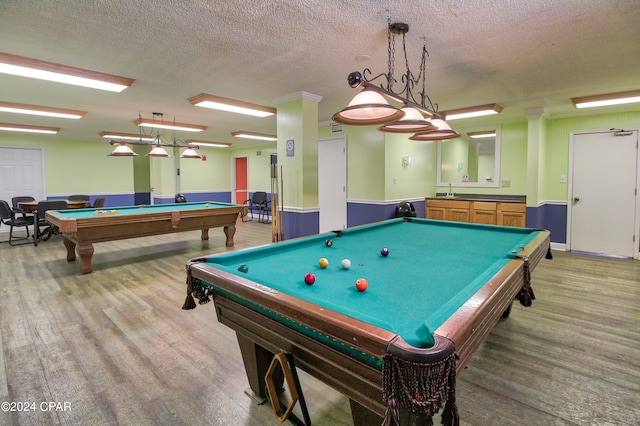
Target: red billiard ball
384, 252
309, 279
361, 284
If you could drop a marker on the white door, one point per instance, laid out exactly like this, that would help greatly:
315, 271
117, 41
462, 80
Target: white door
603, 202
332, 183
22, 173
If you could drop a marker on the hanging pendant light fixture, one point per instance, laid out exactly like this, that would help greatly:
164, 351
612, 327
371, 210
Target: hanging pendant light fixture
154, 139
417, 111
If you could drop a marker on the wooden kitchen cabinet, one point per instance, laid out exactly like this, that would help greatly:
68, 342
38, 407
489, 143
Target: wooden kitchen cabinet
485, 212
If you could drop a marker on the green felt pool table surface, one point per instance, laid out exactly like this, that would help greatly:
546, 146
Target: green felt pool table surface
433, 267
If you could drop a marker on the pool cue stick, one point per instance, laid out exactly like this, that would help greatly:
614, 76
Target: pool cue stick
281, 224
274, 204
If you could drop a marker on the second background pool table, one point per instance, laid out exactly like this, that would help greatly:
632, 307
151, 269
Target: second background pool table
82, 228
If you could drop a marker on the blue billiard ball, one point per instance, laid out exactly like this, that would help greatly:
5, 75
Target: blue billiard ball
384, 252
243, 268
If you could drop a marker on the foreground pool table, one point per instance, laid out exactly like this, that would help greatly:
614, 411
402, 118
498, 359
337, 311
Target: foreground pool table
82, 228
428, 306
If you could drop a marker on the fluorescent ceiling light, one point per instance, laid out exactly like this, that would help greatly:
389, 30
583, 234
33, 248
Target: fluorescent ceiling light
127, 136
205, 143
483, 134
34, 68
231, 105
149, 122
28, 129
252, 135
607, 100
476, 111
40, 110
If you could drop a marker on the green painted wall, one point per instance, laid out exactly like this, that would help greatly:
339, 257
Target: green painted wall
73, 167
415, 180
212, 174
374, 159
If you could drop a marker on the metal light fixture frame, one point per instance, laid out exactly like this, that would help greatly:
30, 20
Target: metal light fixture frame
157, 144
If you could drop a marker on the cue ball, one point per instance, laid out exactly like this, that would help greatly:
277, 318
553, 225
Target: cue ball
384, 252
243, 268
361, 284
323, 262
346, 264
309, 279
328, 243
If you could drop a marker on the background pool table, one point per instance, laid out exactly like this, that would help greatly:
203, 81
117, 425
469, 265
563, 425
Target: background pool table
82, 228
443, 284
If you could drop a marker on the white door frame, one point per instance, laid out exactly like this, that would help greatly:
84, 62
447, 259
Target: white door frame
636, 231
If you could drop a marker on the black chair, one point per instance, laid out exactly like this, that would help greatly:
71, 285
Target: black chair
180, 198
15, 202
39, 222
261, 204
8, 217
99, 202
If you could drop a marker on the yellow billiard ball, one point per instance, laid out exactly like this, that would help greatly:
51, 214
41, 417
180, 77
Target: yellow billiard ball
323, 262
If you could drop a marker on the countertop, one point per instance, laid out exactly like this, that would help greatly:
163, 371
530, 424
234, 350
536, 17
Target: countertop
481, 197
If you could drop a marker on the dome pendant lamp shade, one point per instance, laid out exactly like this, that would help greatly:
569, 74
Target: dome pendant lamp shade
158, 151
412, 122
368, 108
122, 150
190, 153
443, 132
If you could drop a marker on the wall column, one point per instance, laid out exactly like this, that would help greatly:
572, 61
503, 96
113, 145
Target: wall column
297, 147
535, 146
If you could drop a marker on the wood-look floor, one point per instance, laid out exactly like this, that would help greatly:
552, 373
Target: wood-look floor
117, 348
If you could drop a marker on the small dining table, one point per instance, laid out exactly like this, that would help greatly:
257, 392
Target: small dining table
31, 206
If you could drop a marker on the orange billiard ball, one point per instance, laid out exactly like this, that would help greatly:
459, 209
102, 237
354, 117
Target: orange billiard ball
323, 262
361, 284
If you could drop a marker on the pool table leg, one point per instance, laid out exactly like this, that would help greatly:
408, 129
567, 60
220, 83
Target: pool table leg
71, 249
256, 361
85, 251
230, 231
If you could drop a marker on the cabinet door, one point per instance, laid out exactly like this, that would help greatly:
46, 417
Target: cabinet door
484, 212
486, 217
512, 214
458, 215
436, 213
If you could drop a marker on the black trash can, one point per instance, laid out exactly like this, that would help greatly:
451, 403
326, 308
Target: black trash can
405, 209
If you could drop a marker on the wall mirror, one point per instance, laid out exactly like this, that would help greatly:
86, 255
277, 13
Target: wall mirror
472, 160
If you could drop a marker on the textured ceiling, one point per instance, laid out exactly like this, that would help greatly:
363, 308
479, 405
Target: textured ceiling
520, 54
